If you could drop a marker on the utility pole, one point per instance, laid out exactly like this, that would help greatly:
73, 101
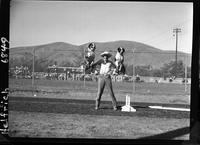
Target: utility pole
176, 31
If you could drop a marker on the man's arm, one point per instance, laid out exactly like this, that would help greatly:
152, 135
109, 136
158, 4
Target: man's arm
113, 64
97, 63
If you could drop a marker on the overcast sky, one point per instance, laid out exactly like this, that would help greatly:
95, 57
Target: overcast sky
41, 22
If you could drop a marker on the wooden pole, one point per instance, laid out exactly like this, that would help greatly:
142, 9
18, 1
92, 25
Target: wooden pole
33, 71
185, 78
185, 74
84, 70
133, 73
176, 31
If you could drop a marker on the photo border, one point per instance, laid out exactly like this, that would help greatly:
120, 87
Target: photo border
194, 105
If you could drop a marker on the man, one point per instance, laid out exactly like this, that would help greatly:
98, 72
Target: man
105, 79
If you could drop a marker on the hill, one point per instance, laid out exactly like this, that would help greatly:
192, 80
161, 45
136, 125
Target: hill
65, 54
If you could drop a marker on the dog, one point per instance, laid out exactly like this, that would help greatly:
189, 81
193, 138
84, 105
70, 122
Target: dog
119, 60
89, 57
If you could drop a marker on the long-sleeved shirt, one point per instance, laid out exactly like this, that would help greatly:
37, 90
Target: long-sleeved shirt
105, 68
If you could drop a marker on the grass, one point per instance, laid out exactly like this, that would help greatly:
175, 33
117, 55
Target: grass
126, 87
144, 92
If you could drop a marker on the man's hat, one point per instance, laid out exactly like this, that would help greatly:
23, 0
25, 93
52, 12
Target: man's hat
106, 53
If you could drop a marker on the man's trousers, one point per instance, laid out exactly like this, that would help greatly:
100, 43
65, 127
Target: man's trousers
102, 82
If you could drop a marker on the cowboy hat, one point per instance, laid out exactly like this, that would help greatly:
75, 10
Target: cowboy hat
106, 53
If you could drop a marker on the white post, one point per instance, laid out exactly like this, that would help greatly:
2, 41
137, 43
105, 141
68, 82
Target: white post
129, 101
128, 107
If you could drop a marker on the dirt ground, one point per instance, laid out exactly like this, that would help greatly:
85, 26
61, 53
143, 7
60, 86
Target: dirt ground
42, 121
51, 125
76, 125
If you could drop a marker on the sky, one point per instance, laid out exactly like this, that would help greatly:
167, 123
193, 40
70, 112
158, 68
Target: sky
79, 22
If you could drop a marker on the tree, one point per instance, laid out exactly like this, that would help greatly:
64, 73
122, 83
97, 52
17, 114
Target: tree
173, 69
156, 73
129, 70
188, 72
143, 70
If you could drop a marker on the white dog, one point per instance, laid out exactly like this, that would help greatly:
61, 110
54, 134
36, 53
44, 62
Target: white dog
119, 59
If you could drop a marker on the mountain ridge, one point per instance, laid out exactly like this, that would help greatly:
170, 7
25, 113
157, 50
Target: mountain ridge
68, 54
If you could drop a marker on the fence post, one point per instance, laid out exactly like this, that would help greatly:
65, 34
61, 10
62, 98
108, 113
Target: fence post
185, 78
133, 72
33, 71
185, 74
84, 69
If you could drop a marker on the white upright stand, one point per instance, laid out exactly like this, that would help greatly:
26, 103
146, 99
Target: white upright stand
127, 107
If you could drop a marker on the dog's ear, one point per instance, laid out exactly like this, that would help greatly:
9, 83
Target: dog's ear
119, 49
91, 45
123, 50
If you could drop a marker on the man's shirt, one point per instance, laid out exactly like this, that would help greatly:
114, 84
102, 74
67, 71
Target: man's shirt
106, 68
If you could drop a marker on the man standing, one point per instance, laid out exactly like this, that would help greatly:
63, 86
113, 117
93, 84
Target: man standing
105, 79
